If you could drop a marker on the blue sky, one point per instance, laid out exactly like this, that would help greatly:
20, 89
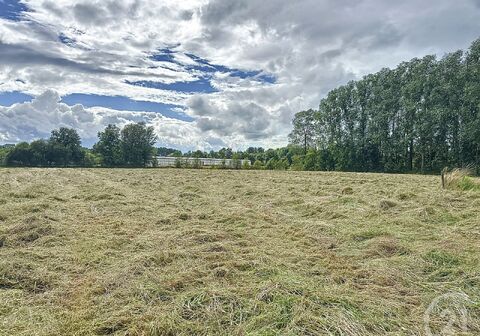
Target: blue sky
202, 83
12, 9
10, 98
124, 103
204, 73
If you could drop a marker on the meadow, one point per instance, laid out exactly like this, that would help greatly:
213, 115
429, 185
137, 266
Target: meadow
220, 252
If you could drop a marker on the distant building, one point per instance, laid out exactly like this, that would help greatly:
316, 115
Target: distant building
167, 161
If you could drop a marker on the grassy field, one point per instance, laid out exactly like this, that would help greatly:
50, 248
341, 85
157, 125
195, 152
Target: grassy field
211, 252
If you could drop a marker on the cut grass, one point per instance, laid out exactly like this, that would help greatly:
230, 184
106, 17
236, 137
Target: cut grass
213, 252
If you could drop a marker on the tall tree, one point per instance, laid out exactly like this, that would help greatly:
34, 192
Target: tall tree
109, 146
137, 144
303, 130
66, 147
421, 116
20, 155
39, 150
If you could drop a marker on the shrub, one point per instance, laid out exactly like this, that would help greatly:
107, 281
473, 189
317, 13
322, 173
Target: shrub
236, 162
281, 165
258, 165
297, 163
197, 163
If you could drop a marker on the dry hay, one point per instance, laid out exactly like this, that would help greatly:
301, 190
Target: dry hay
210, 252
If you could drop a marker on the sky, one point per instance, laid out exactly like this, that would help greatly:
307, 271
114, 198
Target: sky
205, 74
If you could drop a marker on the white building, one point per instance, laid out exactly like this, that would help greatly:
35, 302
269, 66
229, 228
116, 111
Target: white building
167, 161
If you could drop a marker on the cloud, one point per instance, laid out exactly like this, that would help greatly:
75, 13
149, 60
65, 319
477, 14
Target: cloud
89, 14
309, 46
247, 118
37, 118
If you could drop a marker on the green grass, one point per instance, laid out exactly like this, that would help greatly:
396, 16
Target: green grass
214, 252
468, 183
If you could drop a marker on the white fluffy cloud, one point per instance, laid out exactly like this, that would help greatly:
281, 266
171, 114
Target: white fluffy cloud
35, 119
310, 46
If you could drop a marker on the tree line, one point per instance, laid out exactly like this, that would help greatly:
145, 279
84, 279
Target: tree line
290, 157
131, 146
422, 116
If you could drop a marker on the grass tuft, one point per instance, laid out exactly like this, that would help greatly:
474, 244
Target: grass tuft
347, 191
387, 204
385, 247
468, 183
460, 178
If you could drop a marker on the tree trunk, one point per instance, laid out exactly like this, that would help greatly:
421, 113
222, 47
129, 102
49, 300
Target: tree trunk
410, 156
305, 144
423, 163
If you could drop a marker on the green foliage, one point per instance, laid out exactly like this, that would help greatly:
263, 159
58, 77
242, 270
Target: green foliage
282, 164
3, 154
303, 133
459, 178
91, 159
164, 151
137, 142
421, 116
310, 160
281, 158
62, 149
297, 162
20, 155
258, 165
38, 151
236, 161
271, 164
225, 153
109, 146
468, 183
197, 163
132, 146
65, 147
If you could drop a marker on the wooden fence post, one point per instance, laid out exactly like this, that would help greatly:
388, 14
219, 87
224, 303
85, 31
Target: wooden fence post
444, 170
